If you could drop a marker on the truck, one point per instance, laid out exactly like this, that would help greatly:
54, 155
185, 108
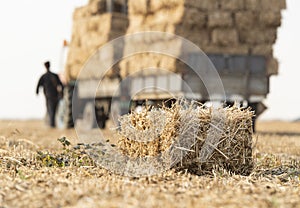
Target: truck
243, 77
245, 73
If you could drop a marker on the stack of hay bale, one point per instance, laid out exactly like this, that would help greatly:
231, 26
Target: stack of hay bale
152, 15
217, 26
92, 28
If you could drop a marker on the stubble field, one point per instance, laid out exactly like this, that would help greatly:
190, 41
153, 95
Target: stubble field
31, 174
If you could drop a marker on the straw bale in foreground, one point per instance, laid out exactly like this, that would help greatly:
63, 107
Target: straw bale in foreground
222, 139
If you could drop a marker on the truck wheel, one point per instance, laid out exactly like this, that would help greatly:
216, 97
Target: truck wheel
64, 117
89, 116
253, 108
101, 117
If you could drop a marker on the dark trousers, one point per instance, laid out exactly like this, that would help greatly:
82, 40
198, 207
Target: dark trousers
51, 110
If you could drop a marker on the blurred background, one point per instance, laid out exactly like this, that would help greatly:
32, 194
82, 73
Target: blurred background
33, 31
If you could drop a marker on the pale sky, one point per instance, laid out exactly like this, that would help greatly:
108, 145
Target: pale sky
32, 32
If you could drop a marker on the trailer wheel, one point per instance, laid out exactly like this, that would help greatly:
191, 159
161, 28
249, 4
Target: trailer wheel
102, 117
89, 116
253, 106
64, 117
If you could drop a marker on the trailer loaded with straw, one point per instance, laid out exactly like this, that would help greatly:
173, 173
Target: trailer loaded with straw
238, 37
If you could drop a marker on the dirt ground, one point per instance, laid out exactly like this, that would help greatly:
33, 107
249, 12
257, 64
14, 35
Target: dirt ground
27, 182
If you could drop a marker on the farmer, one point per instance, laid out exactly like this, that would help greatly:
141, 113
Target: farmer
53, 89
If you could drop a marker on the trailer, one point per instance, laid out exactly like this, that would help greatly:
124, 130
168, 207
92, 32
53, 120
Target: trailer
244, 79
241, 54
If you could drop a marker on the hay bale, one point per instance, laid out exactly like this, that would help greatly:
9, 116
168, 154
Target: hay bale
79, 27
242, 49
233, 150
76, 42
265, 5
225, 37
270, 18
93, 8
80, 13
136, 21
146, 62
155, 5
138, 7
254, 5
232, 5
204, 5
219, 19
72, 71
220, 138
93, 24
258, 36
200, 38
163, 16
90, 33
272, 66
262, 49
105, 22
193, 18
149, 26
92, 41
273, 5
77, 56
135, 126
245, 19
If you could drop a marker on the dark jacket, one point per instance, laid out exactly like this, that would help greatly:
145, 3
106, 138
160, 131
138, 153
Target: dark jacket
50, 83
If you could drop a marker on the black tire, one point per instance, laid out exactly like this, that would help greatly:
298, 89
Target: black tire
64, 117
102, 117
253, 107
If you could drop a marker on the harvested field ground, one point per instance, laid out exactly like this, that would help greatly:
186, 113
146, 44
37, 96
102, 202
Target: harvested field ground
27, 181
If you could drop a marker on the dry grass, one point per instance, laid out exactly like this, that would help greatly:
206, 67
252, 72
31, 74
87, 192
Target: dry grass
26, 182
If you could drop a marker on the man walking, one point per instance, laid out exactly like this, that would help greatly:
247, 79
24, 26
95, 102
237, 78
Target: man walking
53, 89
